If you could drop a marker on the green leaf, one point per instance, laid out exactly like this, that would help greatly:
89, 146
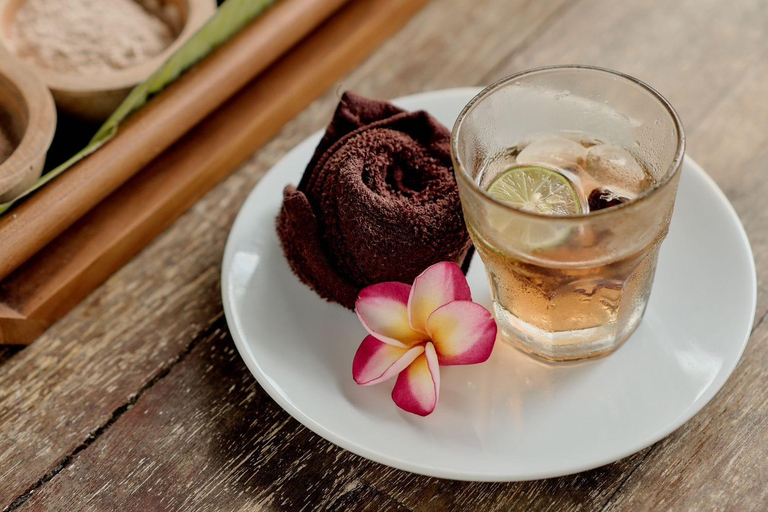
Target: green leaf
228, 20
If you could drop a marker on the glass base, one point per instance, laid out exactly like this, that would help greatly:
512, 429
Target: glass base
565, 345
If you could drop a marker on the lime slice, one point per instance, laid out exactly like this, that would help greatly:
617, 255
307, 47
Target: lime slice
536, 189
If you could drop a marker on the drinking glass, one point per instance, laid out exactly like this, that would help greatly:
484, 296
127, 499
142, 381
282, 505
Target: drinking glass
568, 287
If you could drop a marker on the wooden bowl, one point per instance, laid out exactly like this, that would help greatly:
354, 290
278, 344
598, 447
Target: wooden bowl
30, 115
95, 97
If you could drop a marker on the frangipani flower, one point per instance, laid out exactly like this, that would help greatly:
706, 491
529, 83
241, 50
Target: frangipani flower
416, 329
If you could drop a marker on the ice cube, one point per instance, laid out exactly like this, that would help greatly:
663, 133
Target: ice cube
616, 169
553, 150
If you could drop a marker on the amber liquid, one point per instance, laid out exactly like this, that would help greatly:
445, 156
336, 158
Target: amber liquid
566, 298
563, 301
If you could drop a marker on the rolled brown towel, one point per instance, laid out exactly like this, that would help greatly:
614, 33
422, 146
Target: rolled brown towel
377, 202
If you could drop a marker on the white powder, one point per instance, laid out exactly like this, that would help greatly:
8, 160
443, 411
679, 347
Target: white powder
87, 36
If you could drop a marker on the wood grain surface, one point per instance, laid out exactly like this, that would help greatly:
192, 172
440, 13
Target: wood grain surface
137, 400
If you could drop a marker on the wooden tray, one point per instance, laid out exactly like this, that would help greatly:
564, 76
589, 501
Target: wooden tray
99, 240
178, 108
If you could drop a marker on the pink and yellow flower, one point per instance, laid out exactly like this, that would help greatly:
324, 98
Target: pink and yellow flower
413, 330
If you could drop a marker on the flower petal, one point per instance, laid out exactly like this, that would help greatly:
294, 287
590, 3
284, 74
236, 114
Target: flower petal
376, 361
418, 386
463, 333
438, 285
383, 310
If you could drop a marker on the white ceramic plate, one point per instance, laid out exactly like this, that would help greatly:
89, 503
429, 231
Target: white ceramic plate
512, 418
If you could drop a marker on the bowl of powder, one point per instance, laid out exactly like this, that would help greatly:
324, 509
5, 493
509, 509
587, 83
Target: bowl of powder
27, 124
90, 53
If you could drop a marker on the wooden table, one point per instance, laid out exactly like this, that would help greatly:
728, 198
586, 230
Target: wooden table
138, 400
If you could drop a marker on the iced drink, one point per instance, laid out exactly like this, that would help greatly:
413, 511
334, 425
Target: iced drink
568, 222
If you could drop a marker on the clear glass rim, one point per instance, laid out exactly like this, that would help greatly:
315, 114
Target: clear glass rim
671, 170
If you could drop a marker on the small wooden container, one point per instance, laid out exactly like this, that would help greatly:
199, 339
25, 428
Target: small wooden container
95, 97
31, 119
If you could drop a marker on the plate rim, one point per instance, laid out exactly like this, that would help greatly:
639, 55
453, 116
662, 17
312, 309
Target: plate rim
427, 470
